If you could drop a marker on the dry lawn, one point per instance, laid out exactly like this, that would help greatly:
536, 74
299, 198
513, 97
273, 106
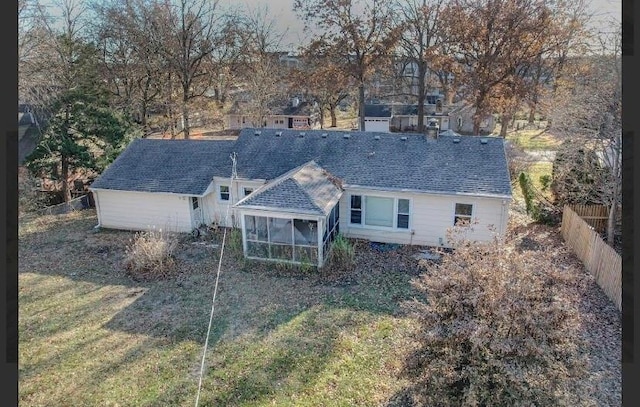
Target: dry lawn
90, 334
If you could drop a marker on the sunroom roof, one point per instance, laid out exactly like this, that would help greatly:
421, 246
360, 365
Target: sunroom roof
305, 189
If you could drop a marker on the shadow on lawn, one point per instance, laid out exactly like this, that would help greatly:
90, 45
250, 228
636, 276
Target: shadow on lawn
293, 321
178, 307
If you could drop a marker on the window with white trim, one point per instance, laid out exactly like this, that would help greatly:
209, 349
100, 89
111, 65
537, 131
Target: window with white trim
380, 211
194, 202
403, 214
224, 192
462, 214
247, 191
356, 209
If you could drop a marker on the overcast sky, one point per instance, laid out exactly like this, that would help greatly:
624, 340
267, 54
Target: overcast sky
282, 11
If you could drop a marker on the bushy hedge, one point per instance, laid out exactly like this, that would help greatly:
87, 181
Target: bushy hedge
498, 329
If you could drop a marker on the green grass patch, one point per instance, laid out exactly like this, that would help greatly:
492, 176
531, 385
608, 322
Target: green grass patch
533, 139
90, 335
538, 170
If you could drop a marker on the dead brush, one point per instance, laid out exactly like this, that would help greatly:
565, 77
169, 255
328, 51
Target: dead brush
150, 253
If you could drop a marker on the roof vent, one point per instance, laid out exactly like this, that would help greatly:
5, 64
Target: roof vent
456, 140
346, 135
324, 135
376, 137
484, 140
301, 134
257, 133
278, 133
403, 138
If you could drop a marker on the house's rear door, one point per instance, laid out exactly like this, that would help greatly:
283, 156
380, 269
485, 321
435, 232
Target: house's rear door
290, 123
196, 211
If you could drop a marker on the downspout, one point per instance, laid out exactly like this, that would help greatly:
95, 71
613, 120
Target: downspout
95, 198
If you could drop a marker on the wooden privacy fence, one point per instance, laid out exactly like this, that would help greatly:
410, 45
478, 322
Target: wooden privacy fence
594, 215
602, 261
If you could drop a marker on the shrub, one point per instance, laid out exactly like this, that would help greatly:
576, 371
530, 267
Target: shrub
342, 255
234, 242
151, 252
499, 328
539, 211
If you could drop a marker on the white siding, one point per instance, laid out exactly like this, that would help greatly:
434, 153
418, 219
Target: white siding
216, 210
143, 211
431, 216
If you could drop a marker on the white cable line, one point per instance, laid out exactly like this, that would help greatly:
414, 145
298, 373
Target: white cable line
215, 288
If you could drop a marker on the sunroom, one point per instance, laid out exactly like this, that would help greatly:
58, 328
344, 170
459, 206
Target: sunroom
293, 219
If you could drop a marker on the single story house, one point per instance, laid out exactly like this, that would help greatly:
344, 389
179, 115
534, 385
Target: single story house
295, 115
400, 118
461, 119
291, 192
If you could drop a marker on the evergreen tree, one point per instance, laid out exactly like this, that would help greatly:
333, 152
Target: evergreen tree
84, 133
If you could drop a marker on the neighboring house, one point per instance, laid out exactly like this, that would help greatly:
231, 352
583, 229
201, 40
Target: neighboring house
402, 118
291, 192
461, 120
295, 115
377, 117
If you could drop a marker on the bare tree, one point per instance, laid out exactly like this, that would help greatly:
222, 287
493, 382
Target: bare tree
261, 71
589, 113
362, 32
420, 43
185, 34
495, 40
322, 77
132, 61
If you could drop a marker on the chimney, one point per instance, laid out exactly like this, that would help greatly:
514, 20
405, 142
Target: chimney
433, 128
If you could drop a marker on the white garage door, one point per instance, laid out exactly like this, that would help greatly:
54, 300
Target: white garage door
376, 125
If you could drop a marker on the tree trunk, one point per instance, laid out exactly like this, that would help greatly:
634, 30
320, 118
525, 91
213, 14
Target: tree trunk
361, 105
611, 224
334, 119
66, 192
532, 113
476, 123
321, 117
478, 113
421, 95
504, 124
185, 119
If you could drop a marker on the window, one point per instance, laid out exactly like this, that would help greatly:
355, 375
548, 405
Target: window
403, 214
463, 214
194, 202
247, 191
224, 192
356, 209
380, 211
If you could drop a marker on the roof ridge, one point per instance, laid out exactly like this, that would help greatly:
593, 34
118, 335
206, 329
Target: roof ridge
276, 181
312, 162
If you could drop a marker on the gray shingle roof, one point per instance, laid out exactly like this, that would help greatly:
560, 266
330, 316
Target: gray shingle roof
175, 166
367, 159
307, 188
377, 110
388, 162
